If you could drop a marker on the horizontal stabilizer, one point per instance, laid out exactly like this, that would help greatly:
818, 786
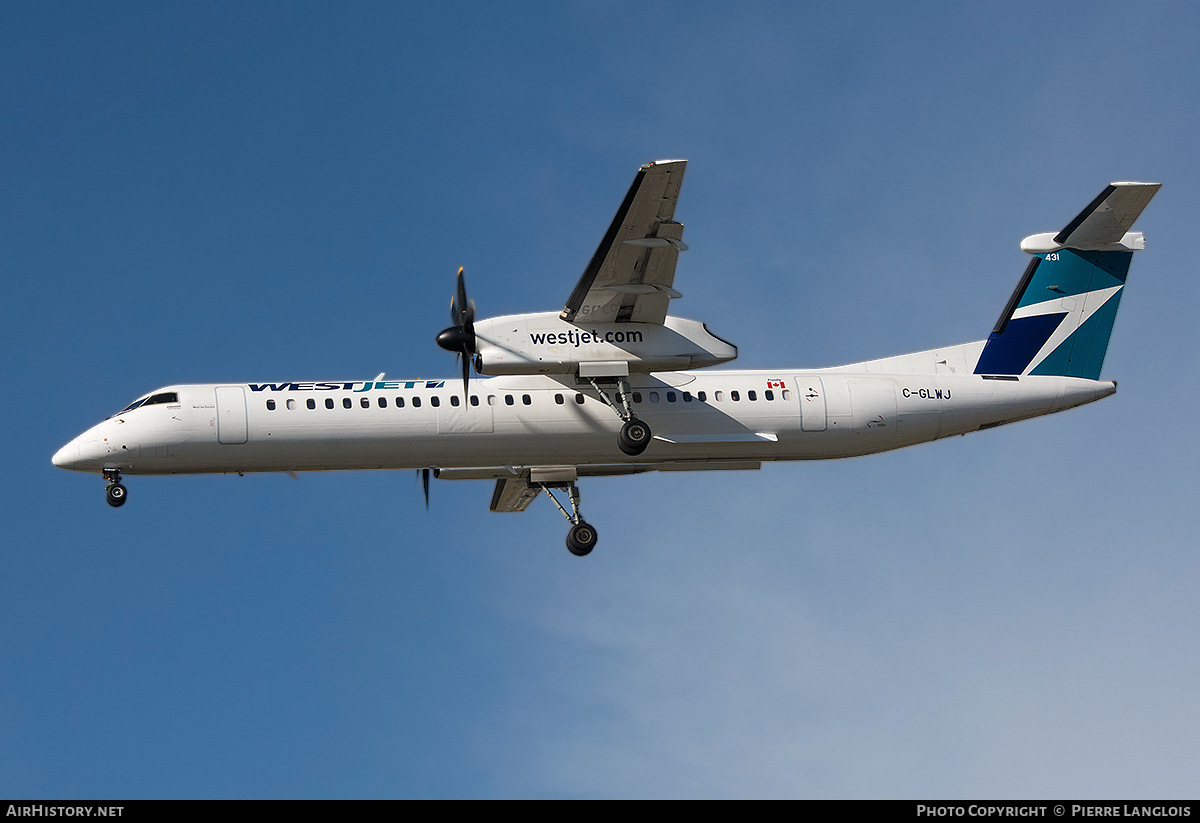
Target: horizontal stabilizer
1104, 224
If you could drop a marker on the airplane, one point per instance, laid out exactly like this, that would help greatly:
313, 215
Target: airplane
612, 384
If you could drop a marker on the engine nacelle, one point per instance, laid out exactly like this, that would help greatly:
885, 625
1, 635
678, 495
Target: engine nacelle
543, 343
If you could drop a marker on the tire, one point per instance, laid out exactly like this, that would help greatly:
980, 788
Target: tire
581, 539
115, 494
635, 436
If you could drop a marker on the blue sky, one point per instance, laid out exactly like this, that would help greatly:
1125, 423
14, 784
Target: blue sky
265, 191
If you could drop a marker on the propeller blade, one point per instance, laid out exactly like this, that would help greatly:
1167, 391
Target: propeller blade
462, 298
460, 337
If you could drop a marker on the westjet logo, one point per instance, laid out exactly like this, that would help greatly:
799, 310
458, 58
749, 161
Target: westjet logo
366, 385
581, 338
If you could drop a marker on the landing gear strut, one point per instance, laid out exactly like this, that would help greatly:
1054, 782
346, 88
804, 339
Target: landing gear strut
115, 493
582, 537
635, 435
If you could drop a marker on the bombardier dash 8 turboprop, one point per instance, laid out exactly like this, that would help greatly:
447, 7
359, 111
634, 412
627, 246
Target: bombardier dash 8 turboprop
612, 383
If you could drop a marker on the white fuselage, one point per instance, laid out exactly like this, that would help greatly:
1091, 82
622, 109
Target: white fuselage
715, 419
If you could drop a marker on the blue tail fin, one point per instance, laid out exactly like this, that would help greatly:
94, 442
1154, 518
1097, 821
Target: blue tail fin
1059, 319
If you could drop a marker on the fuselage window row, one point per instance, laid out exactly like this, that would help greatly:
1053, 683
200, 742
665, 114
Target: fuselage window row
509, 400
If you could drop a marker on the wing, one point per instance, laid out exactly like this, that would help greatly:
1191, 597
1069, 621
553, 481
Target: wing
518, 486
630, 276
513, 494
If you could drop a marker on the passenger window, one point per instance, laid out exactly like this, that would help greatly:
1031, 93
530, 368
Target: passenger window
670, 397
312, 404
579, 398
702, 397
329, 402
719, 396
687, 397
454, 400
558, 398
291, 404
526, 399
270, 405
491, 399
347, 403
508, 400
435, 401
733, 395
787, 394
365, 402
653, 397
399, 402
416, 402
474, 400
382, 402
751, 396
770, 395
637, 397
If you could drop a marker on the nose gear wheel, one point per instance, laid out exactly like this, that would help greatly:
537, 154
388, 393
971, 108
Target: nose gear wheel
115, 493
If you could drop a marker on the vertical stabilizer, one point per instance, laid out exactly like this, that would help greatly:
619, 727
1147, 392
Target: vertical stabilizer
1060, 318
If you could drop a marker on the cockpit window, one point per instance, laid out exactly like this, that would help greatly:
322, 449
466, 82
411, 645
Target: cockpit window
152, 400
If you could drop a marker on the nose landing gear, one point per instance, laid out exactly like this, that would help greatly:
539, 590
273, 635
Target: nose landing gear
115, 493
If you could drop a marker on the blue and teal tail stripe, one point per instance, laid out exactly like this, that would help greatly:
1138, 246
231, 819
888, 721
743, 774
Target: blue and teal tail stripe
1061, 316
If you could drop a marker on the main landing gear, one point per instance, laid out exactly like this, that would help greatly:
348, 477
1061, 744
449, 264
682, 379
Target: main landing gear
582, 537
115, 493
635, 435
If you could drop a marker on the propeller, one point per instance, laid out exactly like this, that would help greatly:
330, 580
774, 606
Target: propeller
425, 485
460, 337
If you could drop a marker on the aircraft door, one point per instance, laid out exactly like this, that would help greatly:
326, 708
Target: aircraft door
231, 415
812, 403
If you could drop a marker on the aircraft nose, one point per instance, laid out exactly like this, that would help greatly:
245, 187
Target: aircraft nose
65, 457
